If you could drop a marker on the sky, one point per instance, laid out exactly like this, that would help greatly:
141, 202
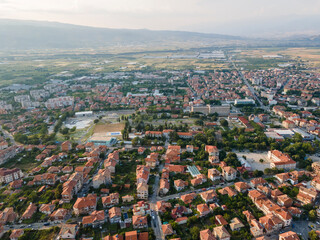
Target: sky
219, 16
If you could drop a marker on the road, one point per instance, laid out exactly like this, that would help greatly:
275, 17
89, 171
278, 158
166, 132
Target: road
251, 89
37, 225
6, 134
156, 221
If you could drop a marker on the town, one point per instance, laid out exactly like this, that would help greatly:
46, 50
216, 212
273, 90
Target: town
133, 151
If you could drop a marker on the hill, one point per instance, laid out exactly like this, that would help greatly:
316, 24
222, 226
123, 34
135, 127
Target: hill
20, 35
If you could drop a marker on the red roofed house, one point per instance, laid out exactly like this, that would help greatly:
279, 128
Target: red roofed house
96, 218
213, 153
229, 173
31, 209
85, 205
139, 221
66, 146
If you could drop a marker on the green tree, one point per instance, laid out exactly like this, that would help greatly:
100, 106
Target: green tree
195, 231
224, 123
313, 235
312, 215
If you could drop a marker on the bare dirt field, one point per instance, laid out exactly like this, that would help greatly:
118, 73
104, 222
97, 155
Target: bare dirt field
104, 128
254, 159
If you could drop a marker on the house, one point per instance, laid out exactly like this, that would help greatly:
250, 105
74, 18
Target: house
163, 206
282, 177
307, 195
46, 178
102, 177
60, 214
228, 190
206, 235
16, 234
188, 198
236, 224
164, 186
180, 184
9, 175
213, 153
167, 229
96, 218
221, 233
142, 174
68, 231
208, 196
28, 213
16, 184
176, 168
201, 178
256, 228
213, 174
114, 215
111, 200
141, 208
127, 198
284, 200
152, 160
220, 220
295, 211
284, 215
85, 205
241, 187
67, 169
290, 235
142, 191
47, 208
154, 134
7, 215
258, 181
141, 150
315, 182
139, 221
255, 195
132, 235
178, 211
271, 223
120, 237
203, 209
229, 173
288, 124
66, 146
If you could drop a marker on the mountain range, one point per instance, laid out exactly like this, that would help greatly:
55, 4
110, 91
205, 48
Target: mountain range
23, 35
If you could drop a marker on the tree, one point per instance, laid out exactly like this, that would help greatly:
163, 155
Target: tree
312, 215
195, 231
224, 123
21, 138
313, 235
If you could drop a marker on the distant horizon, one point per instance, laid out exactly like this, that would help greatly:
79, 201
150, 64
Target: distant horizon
310, 33
230, 17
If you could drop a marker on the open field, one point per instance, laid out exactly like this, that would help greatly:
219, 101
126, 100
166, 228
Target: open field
254, 57
104, 128
253, 159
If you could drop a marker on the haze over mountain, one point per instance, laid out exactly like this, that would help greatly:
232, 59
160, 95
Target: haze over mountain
268, 27
21, 35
